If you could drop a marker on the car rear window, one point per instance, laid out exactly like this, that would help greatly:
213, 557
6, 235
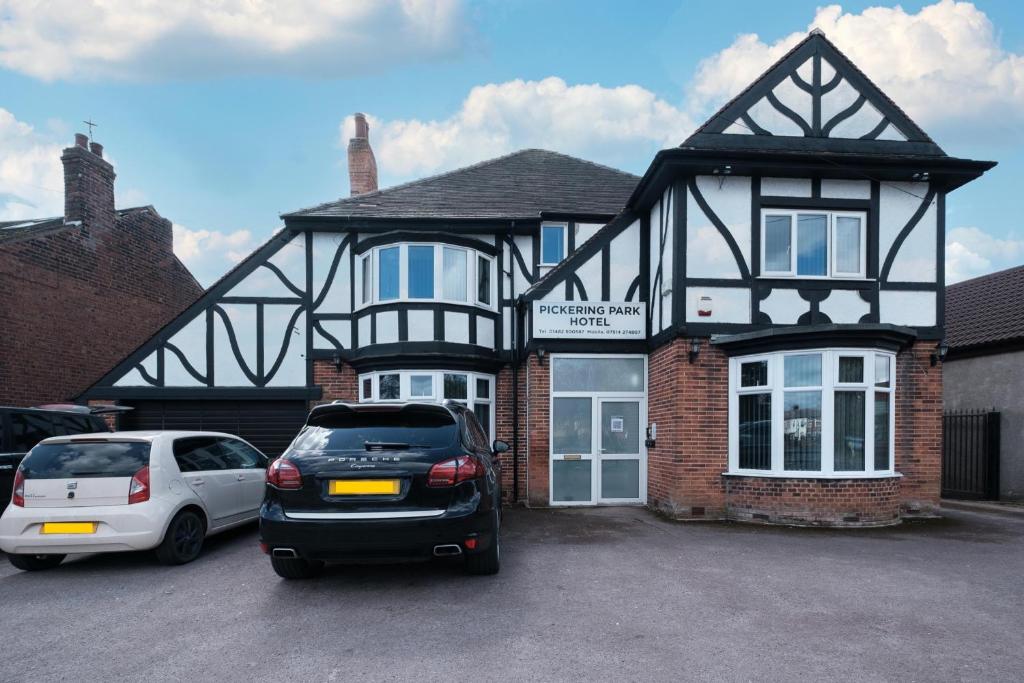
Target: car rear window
420, 428
82, 460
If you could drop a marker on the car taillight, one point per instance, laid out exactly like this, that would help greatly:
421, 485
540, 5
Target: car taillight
18, 497
454, 471
138, 492
283, 474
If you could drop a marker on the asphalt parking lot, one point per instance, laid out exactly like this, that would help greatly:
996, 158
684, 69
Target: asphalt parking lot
599, 594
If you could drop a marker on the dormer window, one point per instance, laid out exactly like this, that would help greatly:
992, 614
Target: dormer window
813, 244
553, 243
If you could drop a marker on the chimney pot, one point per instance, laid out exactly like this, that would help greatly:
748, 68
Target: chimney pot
81, 140
362, 166
96, 148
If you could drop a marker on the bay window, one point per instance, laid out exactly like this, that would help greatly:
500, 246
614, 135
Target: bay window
473, 390
426, 272
825, 412
813, 244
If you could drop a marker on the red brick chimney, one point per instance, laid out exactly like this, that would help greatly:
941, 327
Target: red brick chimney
362, 166
88, 185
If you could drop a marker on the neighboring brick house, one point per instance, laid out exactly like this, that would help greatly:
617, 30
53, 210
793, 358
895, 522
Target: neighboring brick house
984, 368
83, 289
744, 332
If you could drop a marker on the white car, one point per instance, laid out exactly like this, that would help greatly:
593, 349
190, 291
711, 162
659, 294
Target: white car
129, 491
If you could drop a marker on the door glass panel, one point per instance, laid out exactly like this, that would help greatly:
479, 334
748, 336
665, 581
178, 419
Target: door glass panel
620, 427
598, 374
571, 425
849, 431
812, 244
620, 478
777, 236
570, 480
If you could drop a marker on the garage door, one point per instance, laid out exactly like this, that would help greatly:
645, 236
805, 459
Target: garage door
268, 425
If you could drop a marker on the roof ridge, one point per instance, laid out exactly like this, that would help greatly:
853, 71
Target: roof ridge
462, 169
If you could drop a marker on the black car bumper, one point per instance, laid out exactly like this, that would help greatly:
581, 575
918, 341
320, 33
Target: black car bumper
376, 539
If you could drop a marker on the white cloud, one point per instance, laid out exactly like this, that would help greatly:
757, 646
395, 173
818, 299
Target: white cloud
31, 176
211, 253
971, 252
942, 64
134, 39
606, 123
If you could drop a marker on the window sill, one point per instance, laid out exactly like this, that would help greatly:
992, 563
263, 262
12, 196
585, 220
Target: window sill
815, 475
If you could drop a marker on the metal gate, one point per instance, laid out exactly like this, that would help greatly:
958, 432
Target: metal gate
970, 454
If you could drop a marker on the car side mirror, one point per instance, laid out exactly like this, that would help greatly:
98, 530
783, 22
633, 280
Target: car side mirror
499, 446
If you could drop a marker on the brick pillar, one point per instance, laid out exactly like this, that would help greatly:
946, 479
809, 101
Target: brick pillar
336, 384
506, 429
537, 419
919, 429
690, 404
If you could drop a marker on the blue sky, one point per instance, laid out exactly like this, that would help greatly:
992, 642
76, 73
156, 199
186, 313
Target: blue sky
224, 118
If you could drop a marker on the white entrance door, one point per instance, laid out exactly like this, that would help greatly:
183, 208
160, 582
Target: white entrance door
619, 468
598, 418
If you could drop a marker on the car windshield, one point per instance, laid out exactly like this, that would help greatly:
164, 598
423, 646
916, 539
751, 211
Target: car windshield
410, 427
81, 460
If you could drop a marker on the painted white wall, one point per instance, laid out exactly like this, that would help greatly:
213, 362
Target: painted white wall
772, 120
916, 259
456, 327
506, 328
364, 330
624, 262
786, 187
707, 252
387, 327
292, 372
846, 189
191, 340
792, 96
784, 306
132, 378
897, 203
525, 245
728, 304
844, 306
227, 371
421, 325
338, 298
339, 329
584, 231
485, 332
907, 308
654, 218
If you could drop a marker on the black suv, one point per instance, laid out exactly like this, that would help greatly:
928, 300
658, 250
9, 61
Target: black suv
23, 428
384, 481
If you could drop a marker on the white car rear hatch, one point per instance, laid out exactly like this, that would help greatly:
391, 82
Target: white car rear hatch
84, 472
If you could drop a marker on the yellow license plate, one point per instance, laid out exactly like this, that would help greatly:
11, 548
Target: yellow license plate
364, 487
69, 528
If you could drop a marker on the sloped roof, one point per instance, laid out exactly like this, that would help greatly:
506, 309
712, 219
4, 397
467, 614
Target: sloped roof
987, 310
30, 227
523, 184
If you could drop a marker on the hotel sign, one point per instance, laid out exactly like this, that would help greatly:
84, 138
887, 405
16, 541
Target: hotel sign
589, 320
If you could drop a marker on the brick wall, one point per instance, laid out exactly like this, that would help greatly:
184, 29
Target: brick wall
337, 384
824, 502
918, 437
538, 409
690, 404
505, 428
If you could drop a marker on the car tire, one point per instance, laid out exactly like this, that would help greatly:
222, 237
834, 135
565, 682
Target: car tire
296, 567
489, 561
183, 540
34, 563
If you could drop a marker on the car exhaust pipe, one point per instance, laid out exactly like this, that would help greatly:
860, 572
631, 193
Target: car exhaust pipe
284, 552
448, 550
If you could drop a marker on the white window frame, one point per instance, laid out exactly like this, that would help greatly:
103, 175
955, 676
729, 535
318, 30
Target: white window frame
565, 242
832, 272
437, 384
372, 257
830, 384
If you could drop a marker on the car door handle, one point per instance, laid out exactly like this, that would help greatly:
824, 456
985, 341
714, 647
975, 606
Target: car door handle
197, 481
241, 477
